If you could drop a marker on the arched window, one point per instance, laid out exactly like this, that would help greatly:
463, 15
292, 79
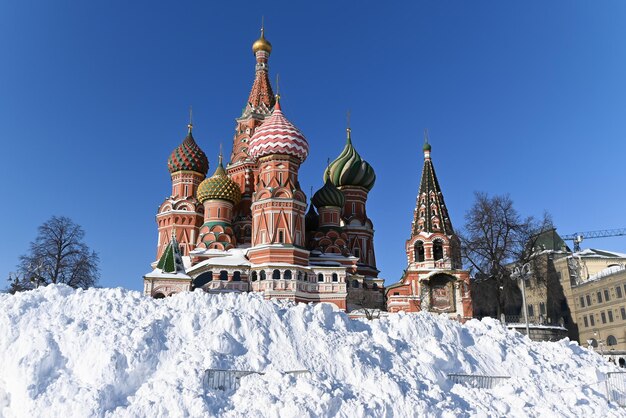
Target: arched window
437, 250
159, 296
320, 277
335, 277
419, 251
355, 284
594, 343
287, 275
253, 276
237, 276
223, 275
262, 274
203, 279
375, 286
276, 274
611, 340
299, 276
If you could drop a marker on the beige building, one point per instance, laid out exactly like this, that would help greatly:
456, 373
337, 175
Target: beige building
585, 291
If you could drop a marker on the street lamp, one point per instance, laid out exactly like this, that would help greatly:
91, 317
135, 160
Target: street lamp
523, 273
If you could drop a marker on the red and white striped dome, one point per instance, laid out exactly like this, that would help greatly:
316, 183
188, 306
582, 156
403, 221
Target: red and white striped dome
278, 136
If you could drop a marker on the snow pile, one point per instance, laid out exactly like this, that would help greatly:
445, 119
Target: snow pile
112, 352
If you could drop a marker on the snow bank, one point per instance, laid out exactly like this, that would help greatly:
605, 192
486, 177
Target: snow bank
112, 352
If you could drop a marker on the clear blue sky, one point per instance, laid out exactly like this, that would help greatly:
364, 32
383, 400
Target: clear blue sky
526, 98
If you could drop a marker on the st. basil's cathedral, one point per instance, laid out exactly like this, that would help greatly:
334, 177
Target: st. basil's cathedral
246, 228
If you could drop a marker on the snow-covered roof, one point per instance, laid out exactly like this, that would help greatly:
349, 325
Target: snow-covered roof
593, 252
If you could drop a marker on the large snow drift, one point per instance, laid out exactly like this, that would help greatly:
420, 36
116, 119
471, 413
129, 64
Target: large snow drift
112, 352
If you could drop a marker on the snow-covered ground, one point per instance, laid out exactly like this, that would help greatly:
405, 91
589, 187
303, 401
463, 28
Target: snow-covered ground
113, 352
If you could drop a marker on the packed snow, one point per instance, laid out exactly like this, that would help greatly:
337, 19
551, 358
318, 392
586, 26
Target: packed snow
116, 353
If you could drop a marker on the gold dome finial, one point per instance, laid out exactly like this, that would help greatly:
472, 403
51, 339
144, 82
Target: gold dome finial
262, 44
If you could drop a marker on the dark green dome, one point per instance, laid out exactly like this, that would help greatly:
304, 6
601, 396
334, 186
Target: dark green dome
426, 147
349, 169
328, 195
219, 186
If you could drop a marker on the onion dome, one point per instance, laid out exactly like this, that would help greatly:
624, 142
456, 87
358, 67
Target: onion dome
328, 195
188, 157
426, 146
219, 186
262, 44
311, 219
349, 169
278, 136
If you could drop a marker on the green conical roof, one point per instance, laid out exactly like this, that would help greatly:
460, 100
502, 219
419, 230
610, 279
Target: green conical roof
171, 261
349, 169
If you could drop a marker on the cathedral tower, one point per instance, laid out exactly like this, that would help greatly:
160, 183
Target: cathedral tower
278, 203
434, 279
242, 169
355, 177
218, 194
182, 212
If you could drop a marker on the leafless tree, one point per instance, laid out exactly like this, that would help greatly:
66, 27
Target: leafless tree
494, 237
57, 255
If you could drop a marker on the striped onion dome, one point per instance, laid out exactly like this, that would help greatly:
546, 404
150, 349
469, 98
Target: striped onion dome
219, 186
278, 136
328, 195
349, 169
188, 157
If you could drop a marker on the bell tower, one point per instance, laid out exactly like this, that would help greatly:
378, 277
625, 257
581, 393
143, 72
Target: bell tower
433, 280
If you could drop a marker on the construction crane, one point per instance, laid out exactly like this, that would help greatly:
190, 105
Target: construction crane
578, 237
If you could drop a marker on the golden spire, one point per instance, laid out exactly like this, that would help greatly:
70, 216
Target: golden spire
262, 44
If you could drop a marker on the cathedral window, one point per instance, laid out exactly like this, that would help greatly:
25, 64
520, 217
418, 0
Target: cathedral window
355, 284
357, 252
374, 286
287, 275
219, 212
203, 279
335, 277
353, 207
254, 276
419, 251
262, 275
281, 236
223, 275
186, 190
437, 250
276, 274
299, 276
320, 277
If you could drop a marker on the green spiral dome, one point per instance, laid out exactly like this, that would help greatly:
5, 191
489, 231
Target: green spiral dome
349, 169
219, 186
328, 195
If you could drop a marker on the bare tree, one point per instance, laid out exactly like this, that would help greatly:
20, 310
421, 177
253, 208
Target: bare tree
495, 236
57, 255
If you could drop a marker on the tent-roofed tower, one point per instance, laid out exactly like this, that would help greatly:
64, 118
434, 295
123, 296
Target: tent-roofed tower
434, 279
241, 168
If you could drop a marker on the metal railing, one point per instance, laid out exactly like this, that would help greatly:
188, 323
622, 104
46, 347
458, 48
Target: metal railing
616, 387
478, 381
222, 379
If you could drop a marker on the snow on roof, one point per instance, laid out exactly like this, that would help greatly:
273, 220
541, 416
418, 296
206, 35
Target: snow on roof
609, 271
592, 252
79, 353
234, 257
159, 274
